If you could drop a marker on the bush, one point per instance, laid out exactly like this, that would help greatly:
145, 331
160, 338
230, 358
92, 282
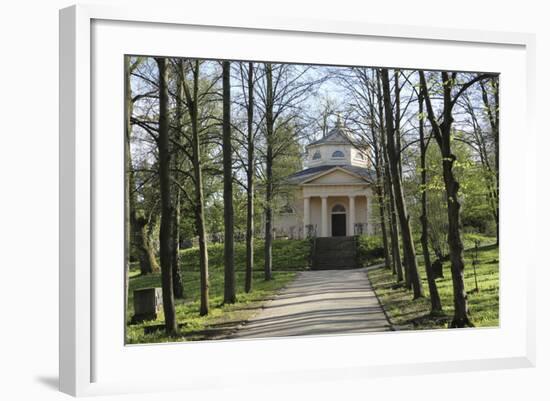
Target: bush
370, 249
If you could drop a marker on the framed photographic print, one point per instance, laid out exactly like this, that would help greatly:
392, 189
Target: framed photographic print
289, 197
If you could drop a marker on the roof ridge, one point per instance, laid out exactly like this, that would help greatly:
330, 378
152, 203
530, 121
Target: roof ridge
337, 131
364, 172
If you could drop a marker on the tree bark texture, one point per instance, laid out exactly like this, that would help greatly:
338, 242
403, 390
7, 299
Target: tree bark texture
127, 187
268, 257
250, 175
229, 296
142, 228
166, 205
176, 271
493, 114
380, 192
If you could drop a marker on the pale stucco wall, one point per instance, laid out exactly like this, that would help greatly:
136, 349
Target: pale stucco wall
338, 177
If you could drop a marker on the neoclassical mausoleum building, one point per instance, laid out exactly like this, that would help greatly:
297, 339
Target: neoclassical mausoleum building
333, 195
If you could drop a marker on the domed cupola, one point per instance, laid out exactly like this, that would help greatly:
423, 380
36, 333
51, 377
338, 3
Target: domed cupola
336, 149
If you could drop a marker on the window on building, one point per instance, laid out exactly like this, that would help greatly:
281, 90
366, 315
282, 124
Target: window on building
338, 154
316, 155
338, 209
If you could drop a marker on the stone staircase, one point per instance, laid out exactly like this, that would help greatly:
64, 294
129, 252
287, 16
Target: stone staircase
334, 253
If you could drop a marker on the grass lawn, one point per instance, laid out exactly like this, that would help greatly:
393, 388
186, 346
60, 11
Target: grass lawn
221, 320
408, 314
289, 256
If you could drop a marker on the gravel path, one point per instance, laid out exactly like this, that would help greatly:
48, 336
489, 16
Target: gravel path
320, 302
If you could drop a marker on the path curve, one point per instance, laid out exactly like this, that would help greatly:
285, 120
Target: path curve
320, 302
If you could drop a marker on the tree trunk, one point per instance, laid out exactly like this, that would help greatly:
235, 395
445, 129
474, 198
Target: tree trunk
380, 189
397, 267
176, 272
269, 175
456, 248
381, 208
142, 234
408, 246
434, 293
250, 174
397, 137
199, 194
494, 120
229, 295
397, 91
496, 134
166, 206
129, 168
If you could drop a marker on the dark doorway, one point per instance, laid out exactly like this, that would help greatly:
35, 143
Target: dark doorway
338, 225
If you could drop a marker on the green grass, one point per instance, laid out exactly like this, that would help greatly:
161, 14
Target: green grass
289, 256
406, 313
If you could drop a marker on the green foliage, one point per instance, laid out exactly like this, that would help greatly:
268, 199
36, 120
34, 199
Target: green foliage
408, 314
287, 255
370, 249
476, 212
288, 160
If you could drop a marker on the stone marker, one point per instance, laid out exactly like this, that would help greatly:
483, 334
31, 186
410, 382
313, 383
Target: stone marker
437, 268
147, 304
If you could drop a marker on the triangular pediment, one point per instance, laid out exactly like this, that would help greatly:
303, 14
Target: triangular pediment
335, 176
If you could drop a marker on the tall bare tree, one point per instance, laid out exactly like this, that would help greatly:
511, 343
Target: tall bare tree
177, 156
397, 266
491, 101
380, 188
250, 179
229, 249
138, 226
406, 233
166, 205
127, 185
360, 84
432, 286
441, 130
192, 106
269, 122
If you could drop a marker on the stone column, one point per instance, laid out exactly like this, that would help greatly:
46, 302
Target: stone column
351, 219
306, 215
324, 217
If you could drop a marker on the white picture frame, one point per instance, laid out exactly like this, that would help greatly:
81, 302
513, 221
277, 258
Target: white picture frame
90, 364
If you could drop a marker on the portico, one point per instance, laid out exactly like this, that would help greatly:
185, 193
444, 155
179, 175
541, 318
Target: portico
336, 216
